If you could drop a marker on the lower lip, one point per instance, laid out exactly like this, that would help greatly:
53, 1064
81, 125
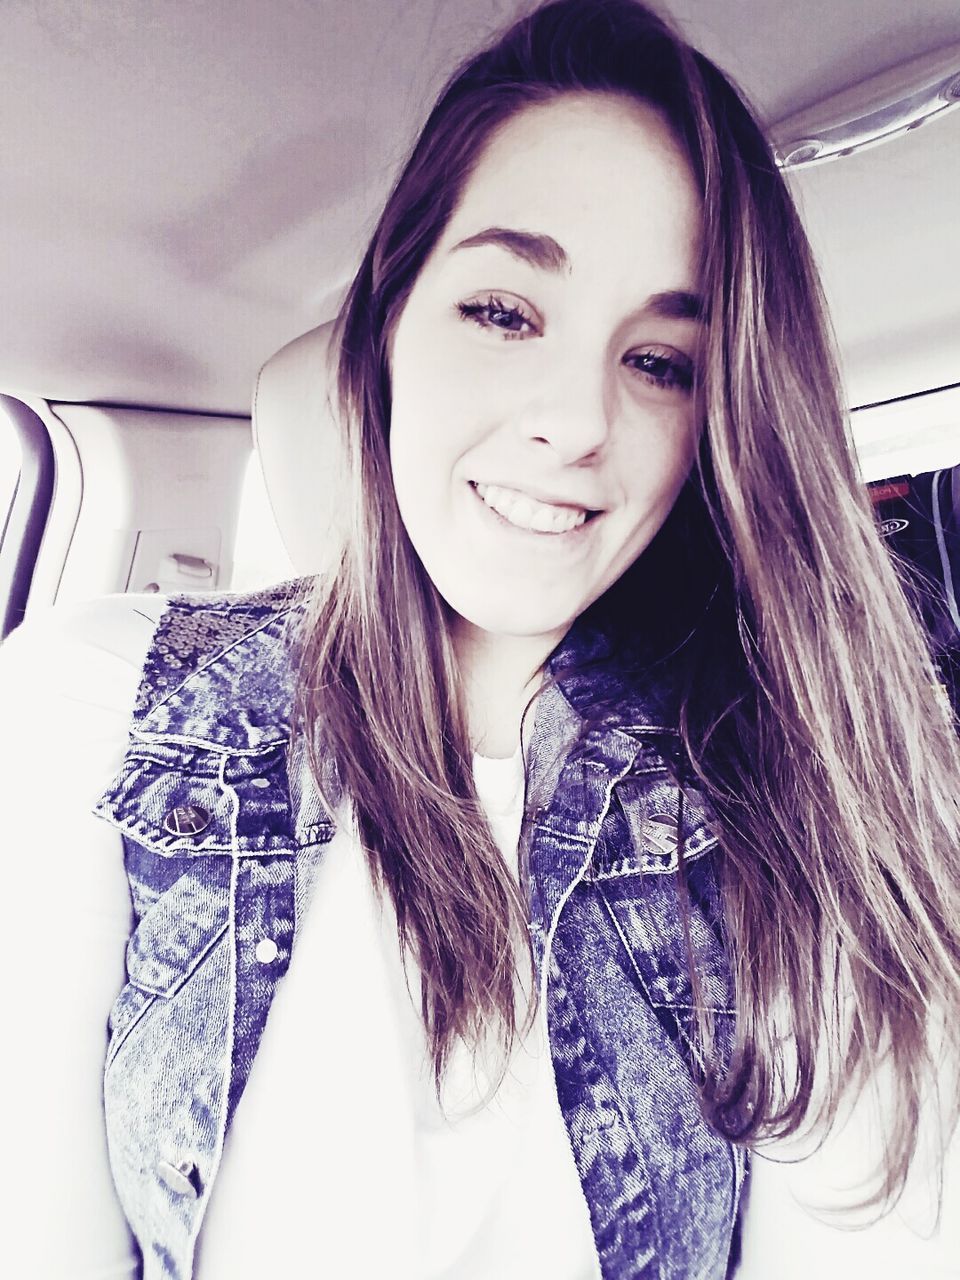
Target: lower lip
570, 538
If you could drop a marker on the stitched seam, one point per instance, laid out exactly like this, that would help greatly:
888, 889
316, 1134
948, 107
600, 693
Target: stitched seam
272, 617
232, 1006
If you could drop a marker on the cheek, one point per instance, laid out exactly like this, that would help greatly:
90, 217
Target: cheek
425, 464
423, 447
426, 389
412, 479
434, 426
652, 474
413, 424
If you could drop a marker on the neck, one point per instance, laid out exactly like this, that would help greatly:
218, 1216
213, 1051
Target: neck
500, 675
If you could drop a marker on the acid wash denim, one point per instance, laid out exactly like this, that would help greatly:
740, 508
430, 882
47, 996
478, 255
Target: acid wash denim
222, 823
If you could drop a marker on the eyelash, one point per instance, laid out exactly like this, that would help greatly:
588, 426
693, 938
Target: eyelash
677, 376
477, 310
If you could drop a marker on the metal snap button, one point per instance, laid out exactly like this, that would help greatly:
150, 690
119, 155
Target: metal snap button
267, 950
181, 1177
660, 830
186, 820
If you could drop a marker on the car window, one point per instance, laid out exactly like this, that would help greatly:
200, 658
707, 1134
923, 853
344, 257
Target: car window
9, 467
908, 436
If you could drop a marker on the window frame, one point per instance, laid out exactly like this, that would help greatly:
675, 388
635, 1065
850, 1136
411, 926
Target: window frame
29, 511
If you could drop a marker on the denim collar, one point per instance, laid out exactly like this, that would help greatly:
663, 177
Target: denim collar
220, 675
627, 690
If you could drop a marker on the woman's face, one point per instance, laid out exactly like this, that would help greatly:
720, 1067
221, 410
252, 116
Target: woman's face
543, 421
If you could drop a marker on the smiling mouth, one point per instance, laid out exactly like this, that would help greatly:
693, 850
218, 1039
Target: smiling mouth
524, 512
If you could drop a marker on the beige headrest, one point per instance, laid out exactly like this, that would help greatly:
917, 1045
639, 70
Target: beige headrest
297, 438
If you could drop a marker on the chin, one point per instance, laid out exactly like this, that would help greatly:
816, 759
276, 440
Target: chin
514, 618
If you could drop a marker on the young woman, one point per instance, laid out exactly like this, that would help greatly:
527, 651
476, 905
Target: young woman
591, 824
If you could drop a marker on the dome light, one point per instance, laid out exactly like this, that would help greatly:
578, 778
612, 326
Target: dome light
881, 107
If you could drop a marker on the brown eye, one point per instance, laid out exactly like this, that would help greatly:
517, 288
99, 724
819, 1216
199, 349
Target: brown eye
670, 372
494, 314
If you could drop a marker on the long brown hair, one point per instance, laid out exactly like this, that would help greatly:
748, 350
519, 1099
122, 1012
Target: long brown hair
810, 714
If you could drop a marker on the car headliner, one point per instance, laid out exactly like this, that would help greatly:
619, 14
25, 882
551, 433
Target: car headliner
188, 186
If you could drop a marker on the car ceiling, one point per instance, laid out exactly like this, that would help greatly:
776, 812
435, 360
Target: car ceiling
189, 185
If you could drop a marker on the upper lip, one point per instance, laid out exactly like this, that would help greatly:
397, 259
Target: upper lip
541, 495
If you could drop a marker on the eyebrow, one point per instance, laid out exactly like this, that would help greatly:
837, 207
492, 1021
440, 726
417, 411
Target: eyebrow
538, 250
543, 252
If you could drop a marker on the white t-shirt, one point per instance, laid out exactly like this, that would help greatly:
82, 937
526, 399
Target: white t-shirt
495, 1194
789, 1233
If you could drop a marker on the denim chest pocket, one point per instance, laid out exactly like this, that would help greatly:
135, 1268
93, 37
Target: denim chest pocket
174, 937
180, 801
188, 816
636, 873
179, 881
647, 822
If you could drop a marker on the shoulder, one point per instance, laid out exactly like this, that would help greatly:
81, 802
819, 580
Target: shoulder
68, 680
90, 652
212, 667
198, 633
126, 653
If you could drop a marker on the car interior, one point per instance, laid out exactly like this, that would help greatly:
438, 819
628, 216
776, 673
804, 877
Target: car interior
188, 190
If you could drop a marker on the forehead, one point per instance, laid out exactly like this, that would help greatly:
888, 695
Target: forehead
599, 172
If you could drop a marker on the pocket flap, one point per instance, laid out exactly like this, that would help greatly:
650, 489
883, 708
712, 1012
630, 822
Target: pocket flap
179, 801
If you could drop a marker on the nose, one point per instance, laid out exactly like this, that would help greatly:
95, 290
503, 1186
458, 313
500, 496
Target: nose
571, 412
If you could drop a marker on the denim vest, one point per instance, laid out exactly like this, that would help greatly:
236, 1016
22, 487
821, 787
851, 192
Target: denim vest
221, 824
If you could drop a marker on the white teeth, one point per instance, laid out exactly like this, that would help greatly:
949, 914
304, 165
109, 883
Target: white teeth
527, 513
